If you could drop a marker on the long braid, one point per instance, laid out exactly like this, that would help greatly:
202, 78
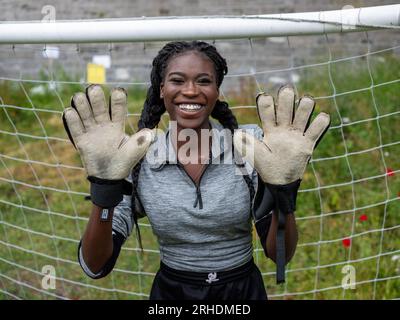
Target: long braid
153, 109
224, 115
154, 106
151, 114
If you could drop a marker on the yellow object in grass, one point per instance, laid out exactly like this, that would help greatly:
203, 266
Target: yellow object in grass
96, 73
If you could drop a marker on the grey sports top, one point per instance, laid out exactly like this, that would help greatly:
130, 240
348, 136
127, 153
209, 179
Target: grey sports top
202, 228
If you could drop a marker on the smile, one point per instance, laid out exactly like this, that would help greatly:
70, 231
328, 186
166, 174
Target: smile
190, 107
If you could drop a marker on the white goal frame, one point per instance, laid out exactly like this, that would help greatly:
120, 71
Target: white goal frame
205, 28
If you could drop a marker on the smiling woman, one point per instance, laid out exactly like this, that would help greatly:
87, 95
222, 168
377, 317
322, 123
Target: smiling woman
200, 210
190, 90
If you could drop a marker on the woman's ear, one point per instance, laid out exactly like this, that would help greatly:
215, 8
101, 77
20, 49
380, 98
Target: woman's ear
162, 90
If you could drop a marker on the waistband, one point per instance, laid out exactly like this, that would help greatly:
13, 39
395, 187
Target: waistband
208, 278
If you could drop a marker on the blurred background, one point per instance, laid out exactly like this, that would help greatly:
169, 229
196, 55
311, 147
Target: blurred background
348, 205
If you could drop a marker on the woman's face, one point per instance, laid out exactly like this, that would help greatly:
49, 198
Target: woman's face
189, 90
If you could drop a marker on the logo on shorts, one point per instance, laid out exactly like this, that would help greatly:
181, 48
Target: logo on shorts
212, 277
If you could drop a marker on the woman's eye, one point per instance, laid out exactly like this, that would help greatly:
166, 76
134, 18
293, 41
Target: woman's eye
176, 80
204, 81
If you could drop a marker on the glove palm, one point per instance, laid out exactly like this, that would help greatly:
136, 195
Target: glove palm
282, 156
99, 134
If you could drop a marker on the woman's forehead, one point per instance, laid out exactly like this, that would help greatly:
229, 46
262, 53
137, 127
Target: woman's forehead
190, 61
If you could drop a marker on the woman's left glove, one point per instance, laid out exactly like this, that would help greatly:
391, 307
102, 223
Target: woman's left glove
281, 157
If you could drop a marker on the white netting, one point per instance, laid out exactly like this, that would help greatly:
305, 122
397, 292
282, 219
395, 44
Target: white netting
349, 198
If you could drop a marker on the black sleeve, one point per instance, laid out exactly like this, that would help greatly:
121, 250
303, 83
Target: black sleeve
262, 212
118, 241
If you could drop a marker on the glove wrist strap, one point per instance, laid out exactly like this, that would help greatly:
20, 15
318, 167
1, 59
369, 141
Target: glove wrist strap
107, 193
285, 196
285, 203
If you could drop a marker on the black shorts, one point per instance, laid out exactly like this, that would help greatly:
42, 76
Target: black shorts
242, 283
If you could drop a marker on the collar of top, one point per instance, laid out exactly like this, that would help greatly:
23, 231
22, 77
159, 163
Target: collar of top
162, 152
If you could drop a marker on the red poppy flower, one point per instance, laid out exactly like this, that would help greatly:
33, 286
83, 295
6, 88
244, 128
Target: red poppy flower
363, 217
389, 172
346, 242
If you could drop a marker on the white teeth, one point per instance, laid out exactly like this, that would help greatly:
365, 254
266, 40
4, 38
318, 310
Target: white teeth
190, 106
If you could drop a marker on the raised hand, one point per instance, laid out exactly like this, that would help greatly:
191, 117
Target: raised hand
98, 132
280, 159
282, 156
107, 153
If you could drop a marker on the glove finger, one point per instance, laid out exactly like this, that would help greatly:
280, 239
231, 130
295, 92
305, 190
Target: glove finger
81, 105
303, 113
318, 128
245, 144
118, 101
72, 124
266, 111
137, 145
98, 102
285, 106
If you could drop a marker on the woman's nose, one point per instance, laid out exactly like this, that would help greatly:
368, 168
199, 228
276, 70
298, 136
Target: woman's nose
190, 89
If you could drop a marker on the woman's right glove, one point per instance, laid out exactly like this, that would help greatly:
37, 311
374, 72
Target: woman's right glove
98, 133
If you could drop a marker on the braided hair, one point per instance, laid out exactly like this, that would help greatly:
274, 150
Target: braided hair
154, 106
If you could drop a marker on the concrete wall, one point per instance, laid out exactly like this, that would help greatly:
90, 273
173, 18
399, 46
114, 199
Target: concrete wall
132, 62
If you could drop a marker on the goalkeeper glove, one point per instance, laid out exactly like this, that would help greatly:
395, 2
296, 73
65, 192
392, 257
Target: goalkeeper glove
282, 156
98, 133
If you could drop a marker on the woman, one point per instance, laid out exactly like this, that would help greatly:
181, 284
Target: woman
199, 197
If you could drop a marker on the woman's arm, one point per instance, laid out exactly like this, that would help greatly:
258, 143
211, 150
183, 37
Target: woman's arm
281, 158
291, 237
108, 154
97, 241
103, 239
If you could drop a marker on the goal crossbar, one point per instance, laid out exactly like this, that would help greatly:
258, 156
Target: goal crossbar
205, 28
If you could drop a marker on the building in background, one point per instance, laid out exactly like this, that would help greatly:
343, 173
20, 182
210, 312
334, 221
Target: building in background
131, 62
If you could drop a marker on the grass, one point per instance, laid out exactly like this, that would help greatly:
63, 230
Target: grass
42, 224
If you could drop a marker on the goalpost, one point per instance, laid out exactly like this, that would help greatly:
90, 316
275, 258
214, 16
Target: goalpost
349, 201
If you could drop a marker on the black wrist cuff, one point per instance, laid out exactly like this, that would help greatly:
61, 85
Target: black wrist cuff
106, 193
285, 196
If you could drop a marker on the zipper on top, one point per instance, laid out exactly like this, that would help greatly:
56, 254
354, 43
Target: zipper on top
199, 199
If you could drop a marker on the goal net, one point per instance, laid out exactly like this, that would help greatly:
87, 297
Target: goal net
348, 204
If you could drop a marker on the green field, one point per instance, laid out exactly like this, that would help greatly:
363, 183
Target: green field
346, 193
